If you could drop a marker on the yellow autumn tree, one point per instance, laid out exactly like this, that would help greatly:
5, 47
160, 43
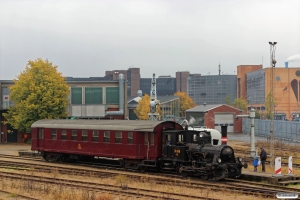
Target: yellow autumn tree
185, 102
143, 108
240, 103
39, 92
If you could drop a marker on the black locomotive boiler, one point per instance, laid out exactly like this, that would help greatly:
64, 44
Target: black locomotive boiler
194, 153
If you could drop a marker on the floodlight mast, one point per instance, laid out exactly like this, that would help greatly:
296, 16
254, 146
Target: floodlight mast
153, 101
272, 100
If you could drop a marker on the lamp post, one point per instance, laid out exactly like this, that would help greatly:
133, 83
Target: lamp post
252, 137
272, 114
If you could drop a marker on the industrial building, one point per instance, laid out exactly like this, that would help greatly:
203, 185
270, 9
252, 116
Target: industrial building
211, 89
169, 106
89, 98
286, 90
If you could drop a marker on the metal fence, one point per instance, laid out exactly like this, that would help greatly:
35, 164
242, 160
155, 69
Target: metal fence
288, 130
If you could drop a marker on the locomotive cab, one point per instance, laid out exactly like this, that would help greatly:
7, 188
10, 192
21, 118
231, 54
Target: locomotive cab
173, 146
174, 143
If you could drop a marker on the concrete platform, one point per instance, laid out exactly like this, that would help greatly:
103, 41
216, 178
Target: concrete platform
271, 178
13, 149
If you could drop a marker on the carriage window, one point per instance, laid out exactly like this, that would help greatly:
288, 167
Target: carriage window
118, 138
41, 133
106, 136
63, 134
95, 136
53, 134
146, 138
180, 138
152, 139
84, 136
130, 138
74, 134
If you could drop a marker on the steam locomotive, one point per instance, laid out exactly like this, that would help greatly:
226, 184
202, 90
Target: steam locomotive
195, 153
134, 144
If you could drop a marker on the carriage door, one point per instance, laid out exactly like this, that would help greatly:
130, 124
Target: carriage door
149, 147
40, 138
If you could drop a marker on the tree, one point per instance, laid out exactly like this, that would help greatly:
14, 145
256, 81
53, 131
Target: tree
240, 104
227, 100
257, 114
185, 102
269, 103
143, 108
39, 92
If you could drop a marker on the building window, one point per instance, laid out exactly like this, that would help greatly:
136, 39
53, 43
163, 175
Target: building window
146, 138
95, 136
53, 134
93, 95
63, 134
106, 136
41, 133
74, 135
112, 95
76, 95
130, 138
152, 139
84, 136
118, 138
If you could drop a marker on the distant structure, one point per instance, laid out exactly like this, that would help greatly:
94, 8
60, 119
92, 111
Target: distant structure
211, 89
181, 81
153, 115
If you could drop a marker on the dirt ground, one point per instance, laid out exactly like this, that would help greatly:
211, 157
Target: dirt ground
13, 149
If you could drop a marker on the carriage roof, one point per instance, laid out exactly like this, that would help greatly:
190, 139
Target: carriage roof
119, 125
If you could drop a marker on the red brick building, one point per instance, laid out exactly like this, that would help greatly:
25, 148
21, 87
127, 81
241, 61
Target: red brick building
215, 116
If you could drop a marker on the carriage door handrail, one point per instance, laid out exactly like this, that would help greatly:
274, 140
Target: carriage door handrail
148, 149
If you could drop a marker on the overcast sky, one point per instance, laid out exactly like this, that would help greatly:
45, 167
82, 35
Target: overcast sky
87, 38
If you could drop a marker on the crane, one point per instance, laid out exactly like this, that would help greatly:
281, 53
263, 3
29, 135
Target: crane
153, 115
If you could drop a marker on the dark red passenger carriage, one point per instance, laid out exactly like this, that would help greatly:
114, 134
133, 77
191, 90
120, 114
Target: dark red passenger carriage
132, 143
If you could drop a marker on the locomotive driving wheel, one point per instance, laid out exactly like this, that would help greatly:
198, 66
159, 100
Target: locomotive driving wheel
142, 168
204, 177
220, 174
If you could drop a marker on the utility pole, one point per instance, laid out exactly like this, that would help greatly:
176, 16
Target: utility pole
273, 63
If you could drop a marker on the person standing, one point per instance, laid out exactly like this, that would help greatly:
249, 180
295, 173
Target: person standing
263, 158
255, 163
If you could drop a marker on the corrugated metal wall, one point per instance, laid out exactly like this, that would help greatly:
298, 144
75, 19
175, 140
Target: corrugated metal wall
288, 130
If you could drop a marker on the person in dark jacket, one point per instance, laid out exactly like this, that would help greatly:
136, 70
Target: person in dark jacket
263, 158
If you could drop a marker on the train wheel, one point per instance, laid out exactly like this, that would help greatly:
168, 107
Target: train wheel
184, 174
204, 177
45, 157
142, 168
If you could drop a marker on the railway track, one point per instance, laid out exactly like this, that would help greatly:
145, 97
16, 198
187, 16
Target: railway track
248, 188
96, 187
17, 196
